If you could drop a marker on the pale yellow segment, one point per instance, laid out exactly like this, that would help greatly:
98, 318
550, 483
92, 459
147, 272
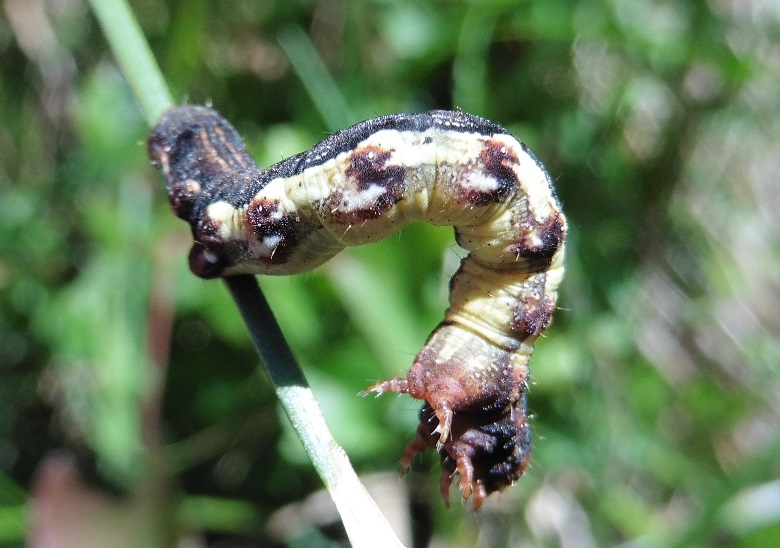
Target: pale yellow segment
484, 301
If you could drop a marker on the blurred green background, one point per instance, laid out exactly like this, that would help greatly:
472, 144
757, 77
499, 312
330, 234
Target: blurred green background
133, 412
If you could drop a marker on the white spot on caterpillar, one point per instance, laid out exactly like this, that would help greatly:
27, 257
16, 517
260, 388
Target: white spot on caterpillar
360, 200
480, 182
267, 246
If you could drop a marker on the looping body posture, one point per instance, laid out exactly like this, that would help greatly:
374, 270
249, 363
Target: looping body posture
362, 184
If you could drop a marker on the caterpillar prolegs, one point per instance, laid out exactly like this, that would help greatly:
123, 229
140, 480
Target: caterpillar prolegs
362, 184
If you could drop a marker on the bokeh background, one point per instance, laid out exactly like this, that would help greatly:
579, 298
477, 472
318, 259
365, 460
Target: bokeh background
132, 408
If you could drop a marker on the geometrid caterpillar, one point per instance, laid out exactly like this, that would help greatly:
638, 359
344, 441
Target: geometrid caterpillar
362, 184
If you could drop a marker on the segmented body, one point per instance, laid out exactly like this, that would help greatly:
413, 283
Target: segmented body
362, 184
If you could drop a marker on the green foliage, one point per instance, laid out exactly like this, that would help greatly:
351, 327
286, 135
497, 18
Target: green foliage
654, 395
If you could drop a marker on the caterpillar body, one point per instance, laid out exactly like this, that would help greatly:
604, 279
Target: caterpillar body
362, 184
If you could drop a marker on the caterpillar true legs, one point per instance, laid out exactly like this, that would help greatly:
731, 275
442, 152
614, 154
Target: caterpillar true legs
362, 184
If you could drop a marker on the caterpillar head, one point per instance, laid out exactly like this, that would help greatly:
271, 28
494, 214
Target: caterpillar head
209, 176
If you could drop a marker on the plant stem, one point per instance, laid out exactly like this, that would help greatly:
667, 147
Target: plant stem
362, 520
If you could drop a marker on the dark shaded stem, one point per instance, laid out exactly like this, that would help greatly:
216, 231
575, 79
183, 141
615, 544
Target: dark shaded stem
265, 331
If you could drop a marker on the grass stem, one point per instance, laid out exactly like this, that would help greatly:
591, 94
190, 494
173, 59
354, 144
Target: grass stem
363, 521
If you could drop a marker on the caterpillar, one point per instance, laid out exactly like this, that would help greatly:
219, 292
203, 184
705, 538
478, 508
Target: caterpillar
358, 186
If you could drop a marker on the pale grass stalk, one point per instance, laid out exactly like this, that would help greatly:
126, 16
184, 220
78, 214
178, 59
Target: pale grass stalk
364, 523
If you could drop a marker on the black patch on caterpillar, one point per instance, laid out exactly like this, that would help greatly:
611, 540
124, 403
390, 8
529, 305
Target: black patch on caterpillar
489, 450
472, 372
207, 229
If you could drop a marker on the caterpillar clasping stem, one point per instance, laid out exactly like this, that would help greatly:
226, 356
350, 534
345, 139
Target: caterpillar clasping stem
362, 184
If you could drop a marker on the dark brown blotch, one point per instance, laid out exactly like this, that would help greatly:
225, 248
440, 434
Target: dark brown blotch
368, 168
206, 230
496, 160
262, 212
531, 314
551, 233
265, 222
